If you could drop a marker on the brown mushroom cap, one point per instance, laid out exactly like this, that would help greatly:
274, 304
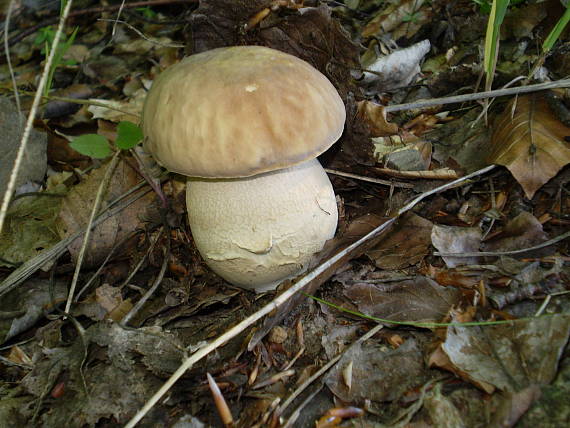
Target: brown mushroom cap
240, 111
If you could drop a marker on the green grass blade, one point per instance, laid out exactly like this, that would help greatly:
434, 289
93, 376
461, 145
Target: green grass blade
498, 12
556, 31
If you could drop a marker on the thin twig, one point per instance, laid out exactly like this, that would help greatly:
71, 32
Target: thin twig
286, 295
547, 301
94, 211
370, 179
144, 36
507, 253
89, 102
135, 309
9, 61
32, 115
104, 263
141, 261
565, 83
114, 30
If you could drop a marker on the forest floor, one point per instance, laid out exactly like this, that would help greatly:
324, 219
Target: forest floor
442, 301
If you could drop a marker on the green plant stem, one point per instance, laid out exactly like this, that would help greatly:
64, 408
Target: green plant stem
416, 323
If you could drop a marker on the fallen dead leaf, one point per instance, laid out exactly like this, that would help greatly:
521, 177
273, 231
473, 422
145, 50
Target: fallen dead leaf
374, 115
530, 141
126, 369
511, 356
523, 231
398, 69
18, 356
25, 306
514, 405
421, 299
395, 371
106, 303
454, 239
77, 206
117, 111
441, 409
405, 245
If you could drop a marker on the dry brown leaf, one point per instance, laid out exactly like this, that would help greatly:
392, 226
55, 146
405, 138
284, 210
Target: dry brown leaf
509, 357
457, 240
18, 355
406, 245
439, 358
395, 372
374, 115
530, 143
420, 299
523, 231
78, 203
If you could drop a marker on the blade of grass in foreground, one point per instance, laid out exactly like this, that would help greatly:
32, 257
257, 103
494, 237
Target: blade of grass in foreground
556, 31
498, 11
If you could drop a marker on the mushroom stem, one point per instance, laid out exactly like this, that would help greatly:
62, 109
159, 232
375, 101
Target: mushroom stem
257, 231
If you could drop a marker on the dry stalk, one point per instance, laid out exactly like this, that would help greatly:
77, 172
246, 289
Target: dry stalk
369, 179
564, 83
32, 115
94, 211
152, 289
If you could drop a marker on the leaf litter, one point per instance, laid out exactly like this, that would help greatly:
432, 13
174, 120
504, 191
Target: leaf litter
90, 369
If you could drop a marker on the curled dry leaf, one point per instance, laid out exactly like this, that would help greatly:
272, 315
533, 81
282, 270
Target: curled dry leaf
441, 409
118, 111
530, 141
374, 115
397, 69
523, 231
412, 157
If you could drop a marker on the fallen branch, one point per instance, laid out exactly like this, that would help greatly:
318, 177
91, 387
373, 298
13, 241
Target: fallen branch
565, 83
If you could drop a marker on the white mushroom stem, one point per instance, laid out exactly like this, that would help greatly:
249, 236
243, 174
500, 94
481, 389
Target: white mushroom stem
257, 231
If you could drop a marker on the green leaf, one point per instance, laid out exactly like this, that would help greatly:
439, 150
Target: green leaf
128, 135
147, 12
93, 145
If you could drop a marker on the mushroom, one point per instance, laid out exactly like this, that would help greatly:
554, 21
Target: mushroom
246, 124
